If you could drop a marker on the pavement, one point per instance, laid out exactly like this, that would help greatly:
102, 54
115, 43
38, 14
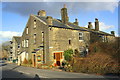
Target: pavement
15, 71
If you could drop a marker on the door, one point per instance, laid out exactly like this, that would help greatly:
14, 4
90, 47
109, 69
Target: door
34, 60
57, 57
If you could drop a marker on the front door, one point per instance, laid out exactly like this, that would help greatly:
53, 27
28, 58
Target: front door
57, 57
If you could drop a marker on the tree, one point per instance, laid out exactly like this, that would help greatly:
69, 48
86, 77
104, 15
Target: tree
68, 54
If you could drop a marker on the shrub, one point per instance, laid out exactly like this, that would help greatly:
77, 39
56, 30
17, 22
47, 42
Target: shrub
98, 63
103, 58
68, 54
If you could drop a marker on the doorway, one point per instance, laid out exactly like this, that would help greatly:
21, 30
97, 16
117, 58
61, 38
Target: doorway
34, 60
58, 57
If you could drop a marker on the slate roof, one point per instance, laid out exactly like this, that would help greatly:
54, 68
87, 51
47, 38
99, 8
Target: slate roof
17, 39
58, 23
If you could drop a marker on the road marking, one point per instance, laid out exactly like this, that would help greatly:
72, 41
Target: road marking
43, 77
23, 72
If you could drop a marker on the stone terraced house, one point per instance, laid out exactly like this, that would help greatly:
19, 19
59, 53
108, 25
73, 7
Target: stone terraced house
14, 48
45, 39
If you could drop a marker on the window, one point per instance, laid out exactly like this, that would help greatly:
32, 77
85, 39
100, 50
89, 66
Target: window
69, 42
27, 30
103, 39
34, 38
80, 36
42, 36
35, 23
24, 44
18, 45
27, 43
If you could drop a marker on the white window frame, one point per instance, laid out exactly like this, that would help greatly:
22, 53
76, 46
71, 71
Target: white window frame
80, 36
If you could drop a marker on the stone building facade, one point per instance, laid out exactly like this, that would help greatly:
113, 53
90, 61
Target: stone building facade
15, 48
45, 39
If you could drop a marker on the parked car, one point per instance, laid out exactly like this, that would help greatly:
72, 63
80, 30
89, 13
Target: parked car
2, 63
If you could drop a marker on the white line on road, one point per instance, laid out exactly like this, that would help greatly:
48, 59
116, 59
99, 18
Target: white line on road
24, 72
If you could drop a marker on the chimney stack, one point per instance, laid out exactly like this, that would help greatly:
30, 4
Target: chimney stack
42, 13
96, 24
64, 15
90, 25
49, 20
76, 22
113, 33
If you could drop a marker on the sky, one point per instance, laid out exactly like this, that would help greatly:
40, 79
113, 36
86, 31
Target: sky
14, 15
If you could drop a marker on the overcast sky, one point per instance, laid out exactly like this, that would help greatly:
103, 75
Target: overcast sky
15, 14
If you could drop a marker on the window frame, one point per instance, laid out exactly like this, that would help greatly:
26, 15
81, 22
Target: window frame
80, 35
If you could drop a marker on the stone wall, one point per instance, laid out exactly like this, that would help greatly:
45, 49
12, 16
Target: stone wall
59, 40
40, 27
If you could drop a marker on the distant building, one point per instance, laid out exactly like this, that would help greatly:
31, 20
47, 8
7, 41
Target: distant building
15, 47
45, 39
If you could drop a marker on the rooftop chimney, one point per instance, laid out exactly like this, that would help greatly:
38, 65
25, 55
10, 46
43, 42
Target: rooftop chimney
42, 13
113, 33
96, 24
49, 20
76, 22
90, 25
64, 5
64, 15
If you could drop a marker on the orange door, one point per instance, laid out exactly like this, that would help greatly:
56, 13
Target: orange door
57, 57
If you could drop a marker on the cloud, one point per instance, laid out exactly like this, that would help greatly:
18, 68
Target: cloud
53, 8
102, 26
7, 35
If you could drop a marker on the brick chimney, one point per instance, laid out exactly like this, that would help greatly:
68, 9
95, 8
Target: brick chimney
90, 25
49, 20
76, 22
42, 13
96, 24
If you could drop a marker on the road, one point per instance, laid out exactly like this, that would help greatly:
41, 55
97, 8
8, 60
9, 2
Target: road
14, 71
